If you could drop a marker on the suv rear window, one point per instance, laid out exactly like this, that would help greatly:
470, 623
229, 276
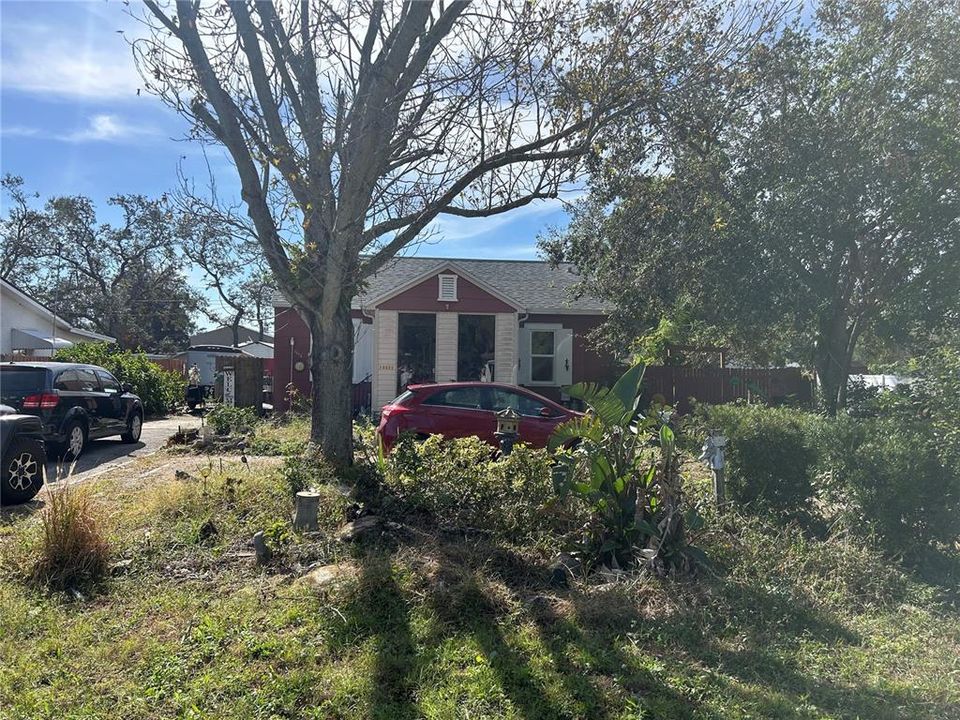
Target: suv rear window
21, 381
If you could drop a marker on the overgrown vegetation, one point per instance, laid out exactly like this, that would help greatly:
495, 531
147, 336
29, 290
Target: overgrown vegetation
448, 609
463, 486
160, 390
771, 456
886, 472
422, 623
71, 549
226, 419
623, 464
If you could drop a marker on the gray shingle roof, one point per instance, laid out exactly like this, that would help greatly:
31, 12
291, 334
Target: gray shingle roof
535, 285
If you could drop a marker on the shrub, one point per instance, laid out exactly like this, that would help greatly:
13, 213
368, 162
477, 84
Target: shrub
281, 435
73, 550
771, 458
937, 393
160, 390
886, 475
885, 472
226, 419
463, 486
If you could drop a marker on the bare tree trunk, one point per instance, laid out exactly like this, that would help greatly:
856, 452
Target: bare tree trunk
331, 362
235, 327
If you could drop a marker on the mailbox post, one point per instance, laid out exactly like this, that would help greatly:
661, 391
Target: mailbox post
712, 454
508, 429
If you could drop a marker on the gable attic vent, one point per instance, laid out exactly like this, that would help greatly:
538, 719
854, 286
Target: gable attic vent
448, 288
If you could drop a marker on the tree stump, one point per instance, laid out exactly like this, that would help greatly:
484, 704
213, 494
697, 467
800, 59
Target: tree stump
264, 554
306, 510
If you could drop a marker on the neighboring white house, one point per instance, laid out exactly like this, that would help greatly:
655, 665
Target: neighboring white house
27, 327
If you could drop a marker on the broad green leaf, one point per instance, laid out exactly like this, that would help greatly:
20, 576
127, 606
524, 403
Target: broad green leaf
580, 428
667, 440
627, 388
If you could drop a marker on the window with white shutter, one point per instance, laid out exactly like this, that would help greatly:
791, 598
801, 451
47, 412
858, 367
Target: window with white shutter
546, 355
448, 288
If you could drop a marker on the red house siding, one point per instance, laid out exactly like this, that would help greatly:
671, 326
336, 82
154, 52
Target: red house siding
423, 298
288, 325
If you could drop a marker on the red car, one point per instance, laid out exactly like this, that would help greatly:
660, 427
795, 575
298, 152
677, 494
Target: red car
467, 408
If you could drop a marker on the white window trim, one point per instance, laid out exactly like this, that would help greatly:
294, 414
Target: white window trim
533, 327
440, 280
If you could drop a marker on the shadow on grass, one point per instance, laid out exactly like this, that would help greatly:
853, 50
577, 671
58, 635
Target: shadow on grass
594, 654
9, 514
378, 609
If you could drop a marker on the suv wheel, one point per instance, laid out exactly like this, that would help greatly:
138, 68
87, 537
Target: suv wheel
134, 428
76, 440
21, 475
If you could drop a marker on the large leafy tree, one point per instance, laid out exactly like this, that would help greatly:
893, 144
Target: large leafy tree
21, 230
808, 199
125, 279
354, 124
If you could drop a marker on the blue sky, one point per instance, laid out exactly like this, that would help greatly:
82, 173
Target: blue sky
71, 122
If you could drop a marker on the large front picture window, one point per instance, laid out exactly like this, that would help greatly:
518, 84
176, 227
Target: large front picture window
416, 348
543, 349
475, 347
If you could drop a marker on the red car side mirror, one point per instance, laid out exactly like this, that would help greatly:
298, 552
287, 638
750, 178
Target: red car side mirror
545, 412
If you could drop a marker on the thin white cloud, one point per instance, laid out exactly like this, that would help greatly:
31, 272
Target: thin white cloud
21, 131
451, 228
92, 62
103, 127
108, 128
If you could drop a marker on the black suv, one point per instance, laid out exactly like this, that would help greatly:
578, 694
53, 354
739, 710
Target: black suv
75, 403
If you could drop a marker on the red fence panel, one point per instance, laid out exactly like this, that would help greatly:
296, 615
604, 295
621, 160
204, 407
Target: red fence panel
677, 386
171, 364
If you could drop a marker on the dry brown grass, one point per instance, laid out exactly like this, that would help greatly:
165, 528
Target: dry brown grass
73, 550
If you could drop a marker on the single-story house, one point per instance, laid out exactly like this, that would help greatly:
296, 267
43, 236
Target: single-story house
223, 335
28, 327
440, 320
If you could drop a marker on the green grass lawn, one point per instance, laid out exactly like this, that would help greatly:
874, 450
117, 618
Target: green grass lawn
427, 624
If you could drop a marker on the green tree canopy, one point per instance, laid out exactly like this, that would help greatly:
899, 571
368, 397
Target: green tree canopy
801, 201
125, 280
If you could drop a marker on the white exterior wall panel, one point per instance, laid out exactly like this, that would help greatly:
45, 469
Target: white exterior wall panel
448, 327
505, 348
385, 351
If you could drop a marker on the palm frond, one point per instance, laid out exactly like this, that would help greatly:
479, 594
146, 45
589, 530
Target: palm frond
587, 427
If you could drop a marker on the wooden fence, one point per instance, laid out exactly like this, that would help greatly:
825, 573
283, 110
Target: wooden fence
171, 364
248, 380
677, 386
